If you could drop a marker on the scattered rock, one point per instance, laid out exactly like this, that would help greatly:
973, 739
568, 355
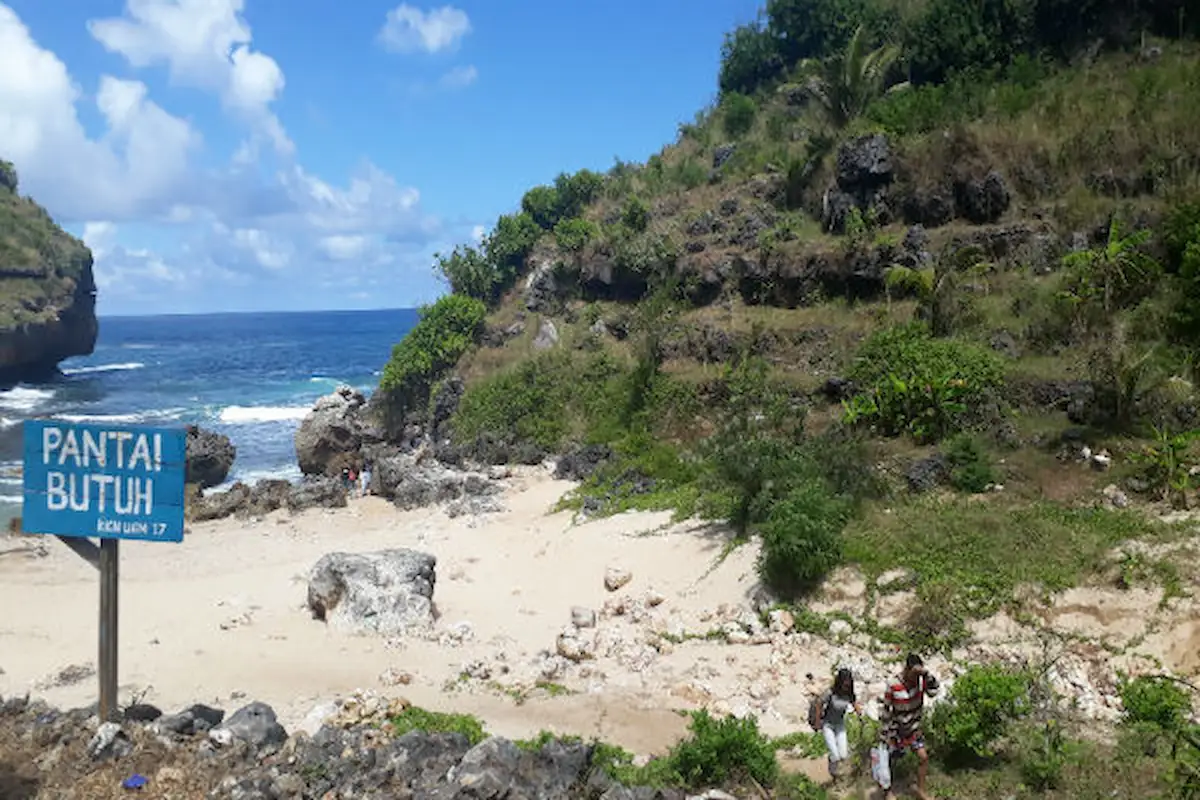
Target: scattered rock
330, 438
110, 741
413, 482
722, 154
929, 473
254, 724
579, 464
982, 202
547, 335
1114, 497
616, 578
541, 289
209, 458
583, 617
387, 592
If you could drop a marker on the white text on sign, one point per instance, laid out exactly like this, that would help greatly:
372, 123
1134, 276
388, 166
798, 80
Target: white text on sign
140, 454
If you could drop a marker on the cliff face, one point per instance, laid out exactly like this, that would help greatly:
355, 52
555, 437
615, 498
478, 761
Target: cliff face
47, 290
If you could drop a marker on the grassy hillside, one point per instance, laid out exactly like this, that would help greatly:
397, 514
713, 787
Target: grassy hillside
919, 291
40, 264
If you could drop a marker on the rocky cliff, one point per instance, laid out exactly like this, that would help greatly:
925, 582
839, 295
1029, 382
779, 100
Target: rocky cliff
47, 291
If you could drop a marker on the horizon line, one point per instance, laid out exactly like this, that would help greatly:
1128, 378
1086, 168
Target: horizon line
260, 313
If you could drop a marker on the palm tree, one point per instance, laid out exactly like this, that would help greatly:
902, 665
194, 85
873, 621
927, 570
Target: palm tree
845, 84
935, 287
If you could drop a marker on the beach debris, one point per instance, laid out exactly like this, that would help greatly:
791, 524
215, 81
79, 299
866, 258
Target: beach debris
616, 578
388, 592
134, 782
68, 676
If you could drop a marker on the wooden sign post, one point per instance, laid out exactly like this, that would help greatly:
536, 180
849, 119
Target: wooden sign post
111, 483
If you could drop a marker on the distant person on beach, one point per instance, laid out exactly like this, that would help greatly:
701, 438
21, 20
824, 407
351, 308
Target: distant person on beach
903, 707
346, 478
831, 718
364, 481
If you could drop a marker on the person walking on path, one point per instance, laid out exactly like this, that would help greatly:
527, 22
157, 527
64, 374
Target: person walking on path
831, 718
903, 706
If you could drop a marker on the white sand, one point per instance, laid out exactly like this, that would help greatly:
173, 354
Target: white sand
221, 619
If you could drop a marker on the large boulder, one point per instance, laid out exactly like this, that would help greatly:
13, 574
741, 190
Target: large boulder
244, 500
414, 482
210, 456
330, 438
387, 592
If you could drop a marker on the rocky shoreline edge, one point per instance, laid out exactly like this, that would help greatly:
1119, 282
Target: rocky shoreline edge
355, 748
423, 469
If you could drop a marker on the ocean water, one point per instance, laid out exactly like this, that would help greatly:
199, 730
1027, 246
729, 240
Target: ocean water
252, 377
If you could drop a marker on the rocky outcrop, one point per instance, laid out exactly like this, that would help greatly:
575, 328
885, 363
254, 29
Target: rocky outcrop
210, 456
243, 500
47, 290
349, 754
416, 480
332, 436
388, 592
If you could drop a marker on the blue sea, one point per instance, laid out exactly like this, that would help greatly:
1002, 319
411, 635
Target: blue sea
252, 377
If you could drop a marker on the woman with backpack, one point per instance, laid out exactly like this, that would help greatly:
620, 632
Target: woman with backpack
831, 718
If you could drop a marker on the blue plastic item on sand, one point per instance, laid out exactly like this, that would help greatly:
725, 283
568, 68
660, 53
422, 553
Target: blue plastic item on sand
134, 782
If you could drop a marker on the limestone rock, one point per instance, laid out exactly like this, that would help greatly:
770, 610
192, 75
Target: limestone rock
210, 456
387, 592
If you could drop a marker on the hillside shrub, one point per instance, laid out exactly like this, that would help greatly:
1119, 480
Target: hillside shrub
739, 113
981, 704
526, 403
445, 331
541, 203
801, 539
509, 244
635, 214
1155, 701
576, 191
970, 468
723, 751
572, 235
912, 383
468, 271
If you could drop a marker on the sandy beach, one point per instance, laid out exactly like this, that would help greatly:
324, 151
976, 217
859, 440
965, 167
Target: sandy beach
221, 618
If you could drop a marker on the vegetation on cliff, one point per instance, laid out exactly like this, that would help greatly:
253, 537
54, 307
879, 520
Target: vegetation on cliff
46, 284
918, 291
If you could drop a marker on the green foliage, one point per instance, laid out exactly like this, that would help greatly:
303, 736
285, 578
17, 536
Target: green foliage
635, 214
970, 468
576, 191
981, 552
487, 272
739, 114
845, 84
801, 539
418, 719
1166, 466
572, 235
915, 384
982, 703
951, 36
1181, 236
1103, 280
541, 203
1043, 756
443, 334
721, 751
1156, 701
8, 176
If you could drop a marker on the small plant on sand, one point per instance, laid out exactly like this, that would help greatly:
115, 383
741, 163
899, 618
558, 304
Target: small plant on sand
418, 719
1166, 466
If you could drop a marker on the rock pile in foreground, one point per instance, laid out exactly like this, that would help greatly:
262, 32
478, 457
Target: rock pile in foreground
201, 753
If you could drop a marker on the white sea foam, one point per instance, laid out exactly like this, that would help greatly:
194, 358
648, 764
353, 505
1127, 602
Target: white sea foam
290, 472
242, 415
8, 422
122, 367
12, 499
24, 398
118, 419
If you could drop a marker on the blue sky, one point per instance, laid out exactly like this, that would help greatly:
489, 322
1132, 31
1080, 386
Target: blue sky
236, 155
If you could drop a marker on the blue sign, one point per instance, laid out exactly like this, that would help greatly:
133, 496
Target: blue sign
104, 481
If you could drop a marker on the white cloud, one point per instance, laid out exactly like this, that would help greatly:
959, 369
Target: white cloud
341, 247
459, 77
205, 44
142, 157
408, 29
124, 270
478, 232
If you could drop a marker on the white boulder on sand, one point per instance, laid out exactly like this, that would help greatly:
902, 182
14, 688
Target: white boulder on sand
387, 592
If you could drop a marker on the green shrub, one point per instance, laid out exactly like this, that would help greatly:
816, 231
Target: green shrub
802, 539
1043, 755
970, 468
739, 113
508, 245
576, 191
541, 203
982, 703
750, 59
635, 215
572, 235
526, 403
1155, 701
913, 383
418, 719
469, 272
445, 331
722, 751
